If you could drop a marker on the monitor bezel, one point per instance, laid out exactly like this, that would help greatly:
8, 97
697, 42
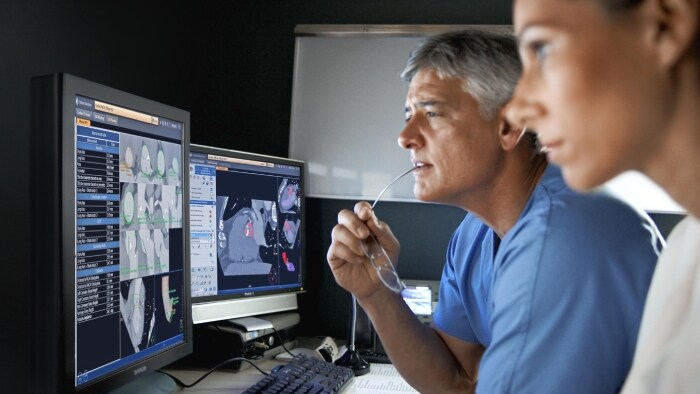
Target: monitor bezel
69, 87
220, 307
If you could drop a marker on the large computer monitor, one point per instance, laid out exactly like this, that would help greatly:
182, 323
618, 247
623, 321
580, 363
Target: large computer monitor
247, 233
110, 257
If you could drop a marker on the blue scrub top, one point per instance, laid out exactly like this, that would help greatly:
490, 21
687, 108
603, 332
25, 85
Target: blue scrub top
558, 301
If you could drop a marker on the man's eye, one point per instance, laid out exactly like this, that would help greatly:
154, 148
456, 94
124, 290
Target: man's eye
431, 114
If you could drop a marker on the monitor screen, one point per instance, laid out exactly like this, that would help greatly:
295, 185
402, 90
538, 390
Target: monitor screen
246, 215
421, 295
419, 299
125, 263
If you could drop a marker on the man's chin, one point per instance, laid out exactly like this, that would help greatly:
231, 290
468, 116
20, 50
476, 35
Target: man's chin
423, 195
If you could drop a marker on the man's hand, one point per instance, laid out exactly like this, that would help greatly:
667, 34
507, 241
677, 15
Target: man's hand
346, 255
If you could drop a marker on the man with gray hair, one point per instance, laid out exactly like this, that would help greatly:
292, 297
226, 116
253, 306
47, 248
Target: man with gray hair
542, 288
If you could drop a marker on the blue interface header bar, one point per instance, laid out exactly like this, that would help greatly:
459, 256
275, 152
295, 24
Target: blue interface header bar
275, 169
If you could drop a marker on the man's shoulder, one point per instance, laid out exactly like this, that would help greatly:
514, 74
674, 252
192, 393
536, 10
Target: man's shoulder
562, 218
553, 203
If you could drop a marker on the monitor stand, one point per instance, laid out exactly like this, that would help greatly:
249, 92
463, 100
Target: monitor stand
255, 338
153, 383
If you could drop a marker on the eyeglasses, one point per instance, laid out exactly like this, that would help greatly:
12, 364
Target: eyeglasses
377, 255
382, 264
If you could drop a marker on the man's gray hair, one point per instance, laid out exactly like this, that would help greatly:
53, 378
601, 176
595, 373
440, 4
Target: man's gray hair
487, 62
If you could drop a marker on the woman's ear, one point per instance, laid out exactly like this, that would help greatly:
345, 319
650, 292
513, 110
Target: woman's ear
673, 28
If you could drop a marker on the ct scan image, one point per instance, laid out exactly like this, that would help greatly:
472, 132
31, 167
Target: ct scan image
137, 310
146, 160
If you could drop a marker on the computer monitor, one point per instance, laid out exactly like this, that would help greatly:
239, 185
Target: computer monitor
110, 261
247, 233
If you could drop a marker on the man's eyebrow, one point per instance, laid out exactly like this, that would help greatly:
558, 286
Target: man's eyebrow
423, 104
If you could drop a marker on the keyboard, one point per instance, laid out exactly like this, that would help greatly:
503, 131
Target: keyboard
304, 375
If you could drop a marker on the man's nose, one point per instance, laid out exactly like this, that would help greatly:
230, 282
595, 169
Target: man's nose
408, 138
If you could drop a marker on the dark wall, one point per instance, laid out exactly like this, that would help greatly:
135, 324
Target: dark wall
246, 51
145, 51
227, 62
666, 221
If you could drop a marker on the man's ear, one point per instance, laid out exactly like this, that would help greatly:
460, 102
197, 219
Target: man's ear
508, 134
673, 28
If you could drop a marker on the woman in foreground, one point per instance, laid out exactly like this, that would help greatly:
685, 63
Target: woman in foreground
614, 85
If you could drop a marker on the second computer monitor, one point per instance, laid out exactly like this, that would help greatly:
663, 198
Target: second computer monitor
246, 217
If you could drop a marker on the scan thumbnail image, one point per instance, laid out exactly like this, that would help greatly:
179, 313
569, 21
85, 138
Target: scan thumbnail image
161, 245
148, 206
168, 207
289, 199
127, 207
146, 160
290, 196
290, 229
288, 246
136, 302
128, 255
143, 253
169, 309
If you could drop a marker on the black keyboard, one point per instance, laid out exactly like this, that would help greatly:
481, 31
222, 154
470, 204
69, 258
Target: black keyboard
304, 375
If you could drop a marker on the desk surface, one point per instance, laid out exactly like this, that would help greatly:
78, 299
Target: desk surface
382, 379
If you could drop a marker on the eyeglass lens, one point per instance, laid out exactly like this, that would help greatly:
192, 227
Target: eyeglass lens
382, 263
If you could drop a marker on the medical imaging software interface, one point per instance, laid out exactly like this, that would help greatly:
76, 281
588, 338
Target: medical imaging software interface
245, 221
128, 236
